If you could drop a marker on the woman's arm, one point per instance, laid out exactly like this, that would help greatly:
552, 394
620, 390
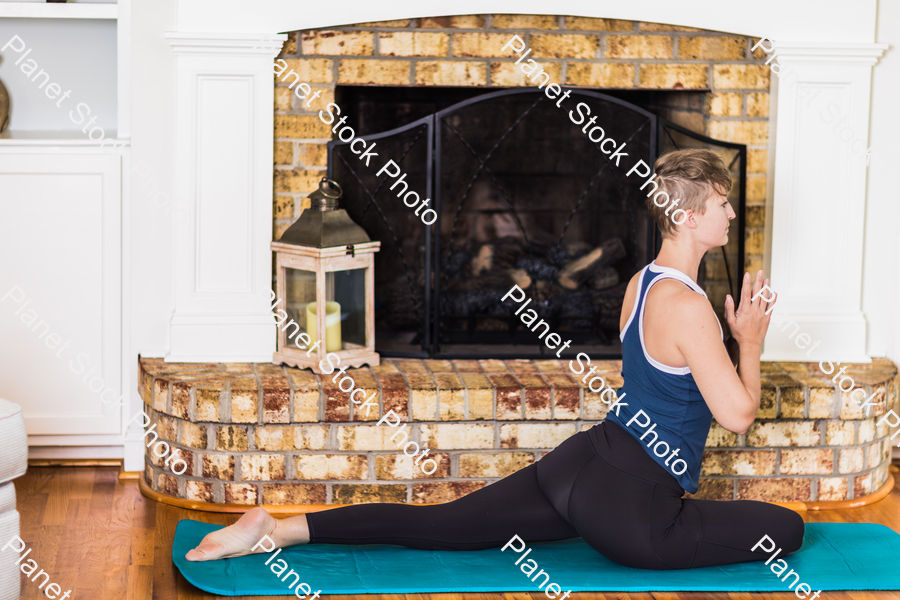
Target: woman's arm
732, 397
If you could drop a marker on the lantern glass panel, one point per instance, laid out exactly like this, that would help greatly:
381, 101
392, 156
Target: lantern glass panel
300, 289
350, 293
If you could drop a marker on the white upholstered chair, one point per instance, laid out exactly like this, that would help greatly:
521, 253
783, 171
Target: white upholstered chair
13, 462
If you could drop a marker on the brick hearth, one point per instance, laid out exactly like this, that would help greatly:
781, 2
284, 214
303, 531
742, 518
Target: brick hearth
266, 434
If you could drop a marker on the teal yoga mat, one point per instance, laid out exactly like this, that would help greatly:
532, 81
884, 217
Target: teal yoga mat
835, 556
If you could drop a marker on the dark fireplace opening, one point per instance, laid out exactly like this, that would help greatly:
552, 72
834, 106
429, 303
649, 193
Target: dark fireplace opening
524, 198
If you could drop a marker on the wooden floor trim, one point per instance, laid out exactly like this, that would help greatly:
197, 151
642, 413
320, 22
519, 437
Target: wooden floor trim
75, 462
296, 509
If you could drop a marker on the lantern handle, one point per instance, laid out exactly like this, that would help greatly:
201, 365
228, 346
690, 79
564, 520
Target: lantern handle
329, 188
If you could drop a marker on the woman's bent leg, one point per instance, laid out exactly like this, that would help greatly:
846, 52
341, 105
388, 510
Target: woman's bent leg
486, 518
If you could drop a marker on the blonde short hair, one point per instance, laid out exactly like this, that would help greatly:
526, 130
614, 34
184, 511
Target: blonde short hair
690, 176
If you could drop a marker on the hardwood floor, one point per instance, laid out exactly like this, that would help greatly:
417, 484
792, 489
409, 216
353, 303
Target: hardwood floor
102, 539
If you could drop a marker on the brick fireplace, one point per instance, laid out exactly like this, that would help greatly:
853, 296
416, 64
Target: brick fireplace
265, 434
706, 81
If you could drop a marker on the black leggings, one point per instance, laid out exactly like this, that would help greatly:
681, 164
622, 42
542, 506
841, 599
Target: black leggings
599, 484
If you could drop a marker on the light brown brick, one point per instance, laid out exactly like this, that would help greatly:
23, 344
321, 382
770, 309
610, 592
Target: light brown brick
403, 466
874, 455
754, 133
300, 127
509, 74
850, 460
395, 23
711, 47
208, 402
457, 436
563, 46
500, 464
792, 403
313, 155
284, 155
743, 77
451, 397
160, 394
766, 403
615, 75
774, 490
310, 70
331, 466
283, 207
283, 100
821, 401
457, 22
819, 461
738, 462
310, 437
481, 403
589, 24
439, 366
758, 104
535, 435
663, 27
200, 491
832, 489
297, 181
450, 72
478, 45
866, 431
262, 467
756, 188
294, 493
594, 407
192, 435
368, 437
724, 104
863, 485
719, 437
423, 397
638, 46
346, 43
343, 493
790, 433
244, 401
839, 433
290, 44
241, 493
274, 438
374, 71
218, 466
429, 492
409, 43
673, 76
849, 408
758, 162
519, 22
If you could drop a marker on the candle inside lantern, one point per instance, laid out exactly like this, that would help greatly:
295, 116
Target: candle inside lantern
332, 324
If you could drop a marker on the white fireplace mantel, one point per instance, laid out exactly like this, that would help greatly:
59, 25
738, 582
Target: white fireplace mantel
223, 176
223, 184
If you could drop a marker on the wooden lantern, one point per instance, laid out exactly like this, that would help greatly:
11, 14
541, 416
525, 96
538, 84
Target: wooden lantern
325, 260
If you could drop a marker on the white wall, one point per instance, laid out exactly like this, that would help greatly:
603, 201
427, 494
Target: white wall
881, 275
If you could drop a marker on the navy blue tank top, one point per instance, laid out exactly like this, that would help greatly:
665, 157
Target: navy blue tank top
675, 420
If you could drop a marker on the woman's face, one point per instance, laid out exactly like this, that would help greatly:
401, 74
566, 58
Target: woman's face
713, 224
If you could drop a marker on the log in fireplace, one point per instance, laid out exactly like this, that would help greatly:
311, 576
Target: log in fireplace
523, 197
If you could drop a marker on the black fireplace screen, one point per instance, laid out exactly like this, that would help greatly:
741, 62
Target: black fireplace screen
523, 198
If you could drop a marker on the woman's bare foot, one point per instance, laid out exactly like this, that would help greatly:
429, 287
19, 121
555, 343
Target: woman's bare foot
237, 539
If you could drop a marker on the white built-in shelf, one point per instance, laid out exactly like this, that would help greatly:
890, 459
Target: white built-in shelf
55, 138
54, 10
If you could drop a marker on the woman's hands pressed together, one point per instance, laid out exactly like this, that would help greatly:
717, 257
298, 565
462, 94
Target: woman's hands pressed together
750, 322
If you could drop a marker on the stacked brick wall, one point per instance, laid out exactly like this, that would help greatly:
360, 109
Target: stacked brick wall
733, 103
266, 434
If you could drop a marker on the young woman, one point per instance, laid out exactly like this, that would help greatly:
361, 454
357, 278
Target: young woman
609, 485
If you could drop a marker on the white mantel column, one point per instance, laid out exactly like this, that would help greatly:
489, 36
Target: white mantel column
223, 192
815, 215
